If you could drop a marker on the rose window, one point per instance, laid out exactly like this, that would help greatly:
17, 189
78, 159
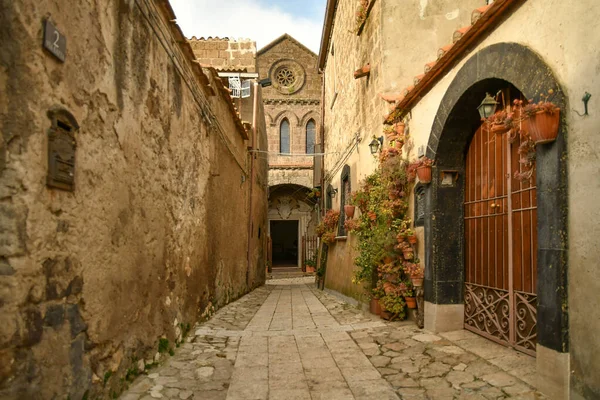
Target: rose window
285, 77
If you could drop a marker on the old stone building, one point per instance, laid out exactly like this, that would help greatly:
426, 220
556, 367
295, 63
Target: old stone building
430, 64
292, 111
125, 172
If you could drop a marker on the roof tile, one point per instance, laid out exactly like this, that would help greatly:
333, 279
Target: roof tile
476, 14
444, 50
429, 65
459, 33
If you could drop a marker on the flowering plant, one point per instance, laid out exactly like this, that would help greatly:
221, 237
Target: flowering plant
414, 269
326, 229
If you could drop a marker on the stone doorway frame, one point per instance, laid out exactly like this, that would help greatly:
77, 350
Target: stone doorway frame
457, 119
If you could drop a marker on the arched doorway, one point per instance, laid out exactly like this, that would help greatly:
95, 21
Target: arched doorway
292, 220
500, 220
488, 71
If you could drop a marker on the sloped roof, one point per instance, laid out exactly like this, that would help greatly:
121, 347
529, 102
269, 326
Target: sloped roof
281, 39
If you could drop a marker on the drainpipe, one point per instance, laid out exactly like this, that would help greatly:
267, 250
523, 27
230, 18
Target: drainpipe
252, 158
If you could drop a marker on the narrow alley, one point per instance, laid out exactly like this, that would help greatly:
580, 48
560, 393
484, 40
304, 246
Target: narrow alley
288, 340
299, 199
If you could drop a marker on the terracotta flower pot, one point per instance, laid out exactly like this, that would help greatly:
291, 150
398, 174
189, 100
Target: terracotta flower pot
349, 210
386, 315
412, 239
387, 259
543, 126
398, 144
375, 307
391, 136
424, 174
417, 282
399, 127
310, 270
499, 129
388, 287
411, 302
408, 254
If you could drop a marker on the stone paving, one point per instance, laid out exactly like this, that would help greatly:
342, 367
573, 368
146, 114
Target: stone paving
287, 340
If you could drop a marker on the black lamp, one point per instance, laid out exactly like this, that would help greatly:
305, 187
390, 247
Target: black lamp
333, 193
487, 108
375, 144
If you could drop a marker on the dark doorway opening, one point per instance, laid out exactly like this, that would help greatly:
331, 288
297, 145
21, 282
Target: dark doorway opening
284, 235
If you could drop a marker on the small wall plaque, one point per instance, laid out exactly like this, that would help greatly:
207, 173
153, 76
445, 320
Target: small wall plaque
61, 150
54, 41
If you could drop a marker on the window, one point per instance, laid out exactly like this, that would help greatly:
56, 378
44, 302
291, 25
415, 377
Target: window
344, 198
284, 137
419, 205
310, 137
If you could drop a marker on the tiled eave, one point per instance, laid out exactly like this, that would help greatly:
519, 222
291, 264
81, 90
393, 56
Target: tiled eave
484, 21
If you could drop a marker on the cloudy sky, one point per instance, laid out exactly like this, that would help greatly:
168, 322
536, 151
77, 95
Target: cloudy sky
260, 20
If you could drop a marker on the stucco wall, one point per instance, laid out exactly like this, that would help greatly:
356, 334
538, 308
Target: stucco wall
413, 31
340, 269
562, 40
91, 279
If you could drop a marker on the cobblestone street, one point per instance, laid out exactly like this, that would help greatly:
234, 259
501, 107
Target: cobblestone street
287, 340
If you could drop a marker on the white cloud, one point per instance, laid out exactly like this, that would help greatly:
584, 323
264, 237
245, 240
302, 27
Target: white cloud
244, 19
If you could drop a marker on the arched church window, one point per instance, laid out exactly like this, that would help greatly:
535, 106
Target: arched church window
310, 137
284, 137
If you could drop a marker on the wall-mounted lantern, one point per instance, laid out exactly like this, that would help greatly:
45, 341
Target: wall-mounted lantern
487, 108
333, 193
376, 144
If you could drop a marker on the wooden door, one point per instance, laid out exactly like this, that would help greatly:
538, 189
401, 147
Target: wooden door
500, 243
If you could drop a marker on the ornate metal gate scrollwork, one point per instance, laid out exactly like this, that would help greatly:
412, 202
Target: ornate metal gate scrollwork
487, 310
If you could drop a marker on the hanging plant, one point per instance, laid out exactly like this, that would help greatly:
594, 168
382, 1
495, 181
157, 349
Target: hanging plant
326, 229
422, 168
544, 119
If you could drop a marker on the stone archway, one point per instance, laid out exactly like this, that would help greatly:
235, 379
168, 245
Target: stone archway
456, 121
292, 217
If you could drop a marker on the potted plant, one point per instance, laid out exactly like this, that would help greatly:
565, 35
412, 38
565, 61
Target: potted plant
408, 293
399, 128
376, 293
349, 210
351, 225
501, 122
328, 226
394, 306
310, 265
406, 249
422, 167
411, 236
416, 272
389, 132
544, 118
314, 193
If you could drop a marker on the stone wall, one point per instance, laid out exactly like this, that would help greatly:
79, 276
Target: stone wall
91, 279
298, 103
225, 54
